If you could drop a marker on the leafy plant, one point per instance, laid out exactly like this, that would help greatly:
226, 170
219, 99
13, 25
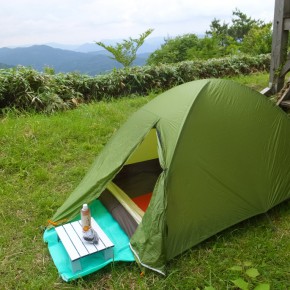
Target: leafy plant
258, 40
125, 52
247, 278
243, 34
28, 90
175, 49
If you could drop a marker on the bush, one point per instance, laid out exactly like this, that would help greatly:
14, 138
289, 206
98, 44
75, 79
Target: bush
26, 89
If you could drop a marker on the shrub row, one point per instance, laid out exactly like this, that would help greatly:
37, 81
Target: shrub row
26, 89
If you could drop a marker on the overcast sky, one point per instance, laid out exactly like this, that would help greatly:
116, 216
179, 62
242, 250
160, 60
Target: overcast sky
26, 22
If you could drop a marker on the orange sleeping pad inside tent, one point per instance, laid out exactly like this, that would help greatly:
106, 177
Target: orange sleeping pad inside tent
143, 200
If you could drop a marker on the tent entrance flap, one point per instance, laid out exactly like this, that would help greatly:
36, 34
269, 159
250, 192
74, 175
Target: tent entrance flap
147, 150
129, 193
126, 202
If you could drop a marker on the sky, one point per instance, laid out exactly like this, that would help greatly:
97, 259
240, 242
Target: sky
27, 22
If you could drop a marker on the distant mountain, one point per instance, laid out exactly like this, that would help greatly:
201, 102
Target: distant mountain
40, 56
150, 45
72, 47
3, 65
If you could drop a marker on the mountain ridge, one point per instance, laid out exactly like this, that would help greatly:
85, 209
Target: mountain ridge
62, 60
149, 45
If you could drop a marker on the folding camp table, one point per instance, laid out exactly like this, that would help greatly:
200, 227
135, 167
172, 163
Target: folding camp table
71, 236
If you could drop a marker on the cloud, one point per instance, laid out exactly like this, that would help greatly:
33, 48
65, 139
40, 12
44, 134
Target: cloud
75, 21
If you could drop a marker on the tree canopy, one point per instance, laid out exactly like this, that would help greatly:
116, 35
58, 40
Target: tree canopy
242, 35
174, 49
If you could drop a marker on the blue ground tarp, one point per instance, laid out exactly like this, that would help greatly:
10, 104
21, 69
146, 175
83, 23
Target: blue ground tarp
90, 264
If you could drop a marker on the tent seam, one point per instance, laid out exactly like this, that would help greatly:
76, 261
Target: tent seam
143, 264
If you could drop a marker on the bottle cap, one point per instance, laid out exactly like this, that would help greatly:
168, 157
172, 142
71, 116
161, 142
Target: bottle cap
85, 206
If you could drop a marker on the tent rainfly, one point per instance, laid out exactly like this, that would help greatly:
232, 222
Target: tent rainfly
192, 162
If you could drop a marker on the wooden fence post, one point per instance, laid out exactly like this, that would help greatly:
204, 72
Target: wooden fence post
280, 62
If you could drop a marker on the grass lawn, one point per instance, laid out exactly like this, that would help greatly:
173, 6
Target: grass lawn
43, 158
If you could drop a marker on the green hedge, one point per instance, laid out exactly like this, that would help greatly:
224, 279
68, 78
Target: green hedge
24, 88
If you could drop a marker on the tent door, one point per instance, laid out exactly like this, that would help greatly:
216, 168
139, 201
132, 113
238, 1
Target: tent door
137, 180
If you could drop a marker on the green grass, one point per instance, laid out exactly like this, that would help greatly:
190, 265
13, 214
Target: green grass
256, 81
43, 158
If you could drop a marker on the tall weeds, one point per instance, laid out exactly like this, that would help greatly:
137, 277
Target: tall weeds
23, 88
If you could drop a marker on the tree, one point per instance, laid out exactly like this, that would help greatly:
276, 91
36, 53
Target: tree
174, 49
219, 35
230, 36
210, 47
207, 47
258, 40
218, 31
243, 34
242, 24
126, 51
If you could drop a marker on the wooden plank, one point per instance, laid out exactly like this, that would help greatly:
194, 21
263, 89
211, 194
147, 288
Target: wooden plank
287, 24
91, 247
76, 265
285, 94
103, 237
76, 240
66, 241
71, 236
108, 253
279, 45
286, 67
266, 91
285, 104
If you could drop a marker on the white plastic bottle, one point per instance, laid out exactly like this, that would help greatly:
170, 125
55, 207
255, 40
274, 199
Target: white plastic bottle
86, 218
89, 234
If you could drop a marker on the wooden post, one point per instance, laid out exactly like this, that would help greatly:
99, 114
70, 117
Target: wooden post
280, 63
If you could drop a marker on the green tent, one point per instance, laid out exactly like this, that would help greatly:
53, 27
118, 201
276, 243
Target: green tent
211, 152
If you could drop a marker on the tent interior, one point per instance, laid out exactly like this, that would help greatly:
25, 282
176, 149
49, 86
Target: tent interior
128, 195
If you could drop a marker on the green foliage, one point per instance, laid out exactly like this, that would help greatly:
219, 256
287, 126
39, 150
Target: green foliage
26, 89
248, 277
219, 32
210, 47
126, 51
241, 284
243, 35
242, 24
258, 40
237, 30
174, 50
49, 70
18, 87
207, 47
